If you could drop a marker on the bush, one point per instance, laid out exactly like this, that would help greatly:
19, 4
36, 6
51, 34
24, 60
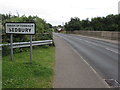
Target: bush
5, 50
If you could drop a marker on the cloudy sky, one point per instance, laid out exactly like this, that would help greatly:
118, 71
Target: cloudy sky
60, 11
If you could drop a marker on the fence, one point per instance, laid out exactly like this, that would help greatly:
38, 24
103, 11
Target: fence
27, 44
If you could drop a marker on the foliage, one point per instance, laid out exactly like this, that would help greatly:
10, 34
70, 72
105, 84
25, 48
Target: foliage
41, 27
74, 24
43, 30
5, 50
108, 23
20, 74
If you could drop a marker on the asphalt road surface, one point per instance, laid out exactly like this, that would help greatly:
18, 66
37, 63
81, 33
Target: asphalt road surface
101, 55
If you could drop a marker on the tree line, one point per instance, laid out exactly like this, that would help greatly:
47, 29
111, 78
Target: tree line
43, 29
109, 23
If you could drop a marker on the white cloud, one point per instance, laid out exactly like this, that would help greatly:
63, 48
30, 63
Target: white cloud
58, 11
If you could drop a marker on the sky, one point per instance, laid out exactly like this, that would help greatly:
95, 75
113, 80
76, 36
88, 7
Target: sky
57, 12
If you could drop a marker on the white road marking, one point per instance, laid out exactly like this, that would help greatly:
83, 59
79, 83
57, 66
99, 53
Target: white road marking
103, 47
78, 38
112, 50
93, 69
92, 43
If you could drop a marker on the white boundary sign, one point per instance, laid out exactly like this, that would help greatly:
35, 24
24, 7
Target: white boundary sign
20, 28
28, 28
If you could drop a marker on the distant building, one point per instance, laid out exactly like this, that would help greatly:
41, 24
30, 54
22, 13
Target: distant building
60, 29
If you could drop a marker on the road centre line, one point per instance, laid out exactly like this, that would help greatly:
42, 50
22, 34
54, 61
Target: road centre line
78, 38
112, 50
103, 47
92, 43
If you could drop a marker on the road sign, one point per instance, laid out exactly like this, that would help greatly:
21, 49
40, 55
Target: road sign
20, 28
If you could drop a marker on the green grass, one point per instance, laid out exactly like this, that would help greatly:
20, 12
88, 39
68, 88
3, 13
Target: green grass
20, 74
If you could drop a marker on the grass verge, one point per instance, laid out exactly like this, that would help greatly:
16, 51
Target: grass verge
20, 74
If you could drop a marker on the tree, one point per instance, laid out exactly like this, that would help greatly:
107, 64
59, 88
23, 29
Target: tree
85, 24
74, 24
109, 23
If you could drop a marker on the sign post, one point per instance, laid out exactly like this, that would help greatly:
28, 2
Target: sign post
27, 28
30, 49
11, 45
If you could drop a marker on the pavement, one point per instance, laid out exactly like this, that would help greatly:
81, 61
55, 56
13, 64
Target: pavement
71, 70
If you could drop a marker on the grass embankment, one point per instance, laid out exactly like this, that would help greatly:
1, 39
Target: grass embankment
20, 74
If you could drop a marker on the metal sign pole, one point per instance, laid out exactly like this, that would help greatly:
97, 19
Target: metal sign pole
11, 43
30, 49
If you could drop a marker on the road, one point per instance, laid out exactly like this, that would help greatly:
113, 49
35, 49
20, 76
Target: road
101, 55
